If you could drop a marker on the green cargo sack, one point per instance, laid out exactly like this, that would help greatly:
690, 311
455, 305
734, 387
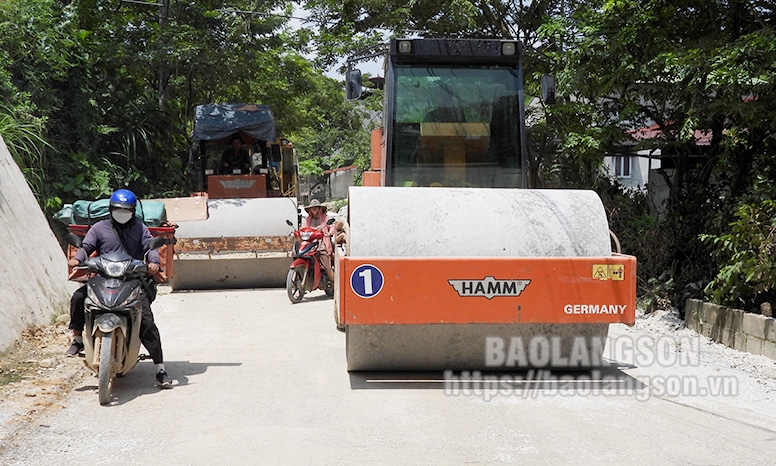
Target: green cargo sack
90, 212
65, 214
152, 213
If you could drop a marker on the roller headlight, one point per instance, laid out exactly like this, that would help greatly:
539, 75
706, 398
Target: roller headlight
305, 235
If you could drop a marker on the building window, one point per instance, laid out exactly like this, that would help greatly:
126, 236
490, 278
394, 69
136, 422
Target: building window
622, 166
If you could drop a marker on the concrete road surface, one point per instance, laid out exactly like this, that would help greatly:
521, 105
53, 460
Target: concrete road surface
260, 381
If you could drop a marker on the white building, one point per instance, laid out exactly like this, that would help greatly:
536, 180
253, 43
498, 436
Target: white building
646, 170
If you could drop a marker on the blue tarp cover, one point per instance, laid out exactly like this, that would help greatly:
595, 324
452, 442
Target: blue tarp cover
219, 121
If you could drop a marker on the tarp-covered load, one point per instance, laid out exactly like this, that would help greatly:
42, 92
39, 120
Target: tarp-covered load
219, 121
81, 212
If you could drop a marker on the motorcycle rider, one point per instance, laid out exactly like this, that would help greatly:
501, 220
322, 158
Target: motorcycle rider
317, 218
124, 233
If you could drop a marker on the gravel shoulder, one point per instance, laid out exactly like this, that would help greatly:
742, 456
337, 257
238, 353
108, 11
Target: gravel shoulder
36, 377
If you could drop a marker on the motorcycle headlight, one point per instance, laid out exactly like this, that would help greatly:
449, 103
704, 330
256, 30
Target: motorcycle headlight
115, 269
131, 298
305, 235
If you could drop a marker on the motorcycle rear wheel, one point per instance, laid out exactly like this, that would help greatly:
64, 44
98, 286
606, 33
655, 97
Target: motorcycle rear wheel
106, 360
295, 285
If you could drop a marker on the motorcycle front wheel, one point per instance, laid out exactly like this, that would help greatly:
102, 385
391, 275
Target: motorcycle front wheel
295, 285
105, 376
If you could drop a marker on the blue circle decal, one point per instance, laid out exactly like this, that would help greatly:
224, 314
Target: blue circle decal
366, 281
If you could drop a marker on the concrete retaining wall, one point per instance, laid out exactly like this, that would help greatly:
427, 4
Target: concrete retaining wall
735, 328
33, 268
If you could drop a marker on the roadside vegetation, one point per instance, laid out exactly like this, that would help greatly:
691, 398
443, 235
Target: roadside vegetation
98, 94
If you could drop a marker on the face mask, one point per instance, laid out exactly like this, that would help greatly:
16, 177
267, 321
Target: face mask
122, 216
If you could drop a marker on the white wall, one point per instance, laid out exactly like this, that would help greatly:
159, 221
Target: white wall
640, 170
340, 181
33, 268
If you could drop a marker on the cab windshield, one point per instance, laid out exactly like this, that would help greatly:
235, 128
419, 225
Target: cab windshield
456, 127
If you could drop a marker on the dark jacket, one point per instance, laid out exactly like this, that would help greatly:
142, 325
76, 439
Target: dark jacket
234, 161
103, 239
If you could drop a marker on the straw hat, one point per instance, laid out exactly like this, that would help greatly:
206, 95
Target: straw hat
315, 203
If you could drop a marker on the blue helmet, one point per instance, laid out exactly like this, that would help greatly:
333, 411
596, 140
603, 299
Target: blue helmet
123, 199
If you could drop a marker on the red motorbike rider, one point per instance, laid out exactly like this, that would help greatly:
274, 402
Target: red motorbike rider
318, 219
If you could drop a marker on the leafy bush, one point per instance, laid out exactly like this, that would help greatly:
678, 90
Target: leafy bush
747, 276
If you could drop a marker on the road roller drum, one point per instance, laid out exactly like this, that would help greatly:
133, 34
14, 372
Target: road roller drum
244, 243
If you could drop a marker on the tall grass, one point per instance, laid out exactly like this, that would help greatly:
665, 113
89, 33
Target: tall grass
22, 136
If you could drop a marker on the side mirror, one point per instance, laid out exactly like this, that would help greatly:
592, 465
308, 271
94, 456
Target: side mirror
353, 86
155, 243
548, 89
73, 240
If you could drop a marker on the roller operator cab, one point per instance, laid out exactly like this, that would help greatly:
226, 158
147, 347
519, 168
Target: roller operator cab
453, 114
447, 265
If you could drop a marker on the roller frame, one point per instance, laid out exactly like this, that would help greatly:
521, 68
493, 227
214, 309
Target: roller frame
419, 290
418, 319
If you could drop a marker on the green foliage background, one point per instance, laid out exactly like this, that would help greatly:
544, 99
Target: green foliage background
100, 94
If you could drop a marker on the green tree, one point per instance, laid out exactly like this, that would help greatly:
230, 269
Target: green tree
37, 53
110, 88
699, 70
747, 252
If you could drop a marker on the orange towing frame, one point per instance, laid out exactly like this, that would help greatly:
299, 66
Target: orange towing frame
567, 290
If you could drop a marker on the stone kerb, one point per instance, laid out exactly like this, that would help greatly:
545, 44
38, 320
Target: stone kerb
735, 328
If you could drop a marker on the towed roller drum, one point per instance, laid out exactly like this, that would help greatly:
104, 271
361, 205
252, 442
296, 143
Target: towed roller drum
243, 244
468, 222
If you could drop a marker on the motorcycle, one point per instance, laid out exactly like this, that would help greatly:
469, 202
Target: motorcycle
306, 273
112, 312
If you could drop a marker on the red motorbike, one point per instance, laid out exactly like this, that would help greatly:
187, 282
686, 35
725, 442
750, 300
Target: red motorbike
307, 273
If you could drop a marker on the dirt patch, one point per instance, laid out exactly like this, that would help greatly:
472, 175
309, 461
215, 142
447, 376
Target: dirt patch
35, 377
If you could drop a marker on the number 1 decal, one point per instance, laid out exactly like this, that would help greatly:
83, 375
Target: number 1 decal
366, 281
366, 274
